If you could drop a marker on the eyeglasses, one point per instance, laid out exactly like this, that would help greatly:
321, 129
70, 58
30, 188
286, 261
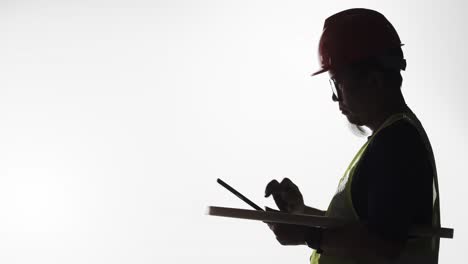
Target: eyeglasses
335, 87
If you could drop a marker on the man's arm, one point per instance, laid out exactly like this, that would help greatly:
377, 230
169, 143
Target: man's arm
398, 178
357, 242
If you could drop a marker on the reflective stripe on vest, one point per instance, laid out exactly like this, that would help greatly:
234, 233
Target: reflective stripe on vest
417, 250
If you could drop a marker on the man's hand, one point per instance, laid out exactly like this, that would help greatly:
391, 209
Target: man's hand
289, 199
288, 235
287, 196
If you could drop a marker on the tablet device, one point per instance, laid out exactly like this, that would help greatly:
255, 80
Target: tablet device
238, 194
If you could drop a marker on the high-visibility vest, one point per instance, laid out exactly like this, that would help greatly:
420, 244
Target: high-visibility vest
417, 250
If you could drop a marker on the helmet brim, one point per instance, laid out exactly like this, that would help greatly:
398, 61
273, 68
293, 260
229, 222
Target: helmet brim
322, 70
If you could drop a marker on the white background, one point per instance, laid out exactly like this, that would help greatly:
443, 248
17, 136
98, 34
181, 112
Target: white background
116, 118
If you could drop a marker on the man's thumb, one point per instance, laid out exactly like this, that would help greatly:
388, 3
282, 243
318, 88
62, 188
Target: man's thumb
268, 209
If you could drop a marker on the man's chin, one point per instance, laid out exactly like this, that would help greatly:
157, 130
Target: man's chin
357, 128
354, 121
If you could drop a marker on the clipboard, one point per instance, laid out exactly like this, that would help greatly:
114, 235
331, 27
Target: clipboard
312, 220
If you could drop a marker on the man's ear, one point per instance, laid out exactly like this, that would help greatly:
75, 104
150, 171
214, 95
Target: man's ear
375, 80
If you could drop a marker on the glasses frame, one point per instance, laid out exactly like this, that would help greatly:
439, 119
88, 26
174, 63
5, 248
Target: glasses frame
335, 88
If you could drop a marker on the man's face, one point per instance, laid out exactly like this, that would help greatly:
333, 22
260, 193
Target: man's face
354, 95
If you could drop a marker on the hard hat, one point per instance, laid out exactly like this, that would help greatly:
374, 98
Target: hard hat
355, 35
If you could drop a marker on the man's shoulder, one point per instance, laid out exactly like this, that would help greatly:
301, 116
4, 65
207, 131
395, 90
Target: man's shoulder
402, 133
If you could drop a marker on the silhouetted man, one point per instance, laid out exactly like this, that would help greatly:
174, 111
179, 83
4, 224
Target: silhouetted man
391, 183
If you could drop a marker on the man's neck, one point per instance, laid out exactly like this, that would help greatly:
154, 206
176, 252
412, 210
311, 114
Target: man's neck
385, 113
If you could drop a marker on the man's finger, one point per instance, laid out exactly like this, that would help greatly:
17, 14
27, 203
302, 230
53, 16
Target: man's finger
280, 202
272, 187
287, 184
